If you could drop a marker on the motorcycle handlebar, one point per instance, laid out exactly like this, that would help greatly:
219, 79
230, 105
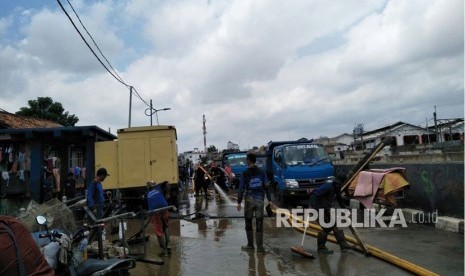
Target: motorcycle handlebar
50, 235
89, 227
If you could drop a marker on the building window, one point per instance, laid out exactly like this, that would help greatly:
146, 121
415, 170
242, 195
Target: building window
428, 138
411, 140
76, 157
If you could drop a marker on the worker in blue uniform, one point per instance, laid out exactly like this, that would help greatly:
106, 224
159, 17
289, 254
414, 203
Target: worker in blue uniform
322, 199
253, 188
156, 199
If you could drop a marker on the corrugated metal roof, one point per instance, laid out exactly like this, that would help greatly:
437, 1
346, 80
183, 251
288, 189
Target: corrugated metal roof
9, 120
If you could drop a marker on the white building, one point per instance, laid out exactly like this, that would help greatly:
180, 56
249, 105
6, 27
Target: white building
193, 156
232, 146
407, 134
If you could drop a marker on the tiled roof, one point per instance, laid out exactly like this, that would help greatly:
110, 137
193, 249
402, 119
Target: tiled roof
9, 120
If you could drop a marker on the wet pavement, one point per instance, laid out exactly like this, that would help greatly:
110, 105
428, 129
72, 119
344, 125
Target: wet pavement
209, 243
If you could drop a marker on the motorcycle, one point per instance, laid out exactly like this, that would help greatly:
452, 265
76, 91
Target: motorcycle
67, 254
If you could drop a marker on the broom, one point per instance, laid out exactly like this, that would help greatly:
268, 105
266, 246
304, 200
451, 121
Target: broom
300, 249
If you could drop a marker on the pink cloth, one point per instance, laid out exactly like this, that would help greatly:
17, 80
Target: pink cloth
367, 187
364, 185
368, 184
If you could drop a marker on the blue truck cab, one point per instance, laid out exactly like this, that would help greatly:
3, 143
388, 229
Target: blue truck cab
237, 161
295, 168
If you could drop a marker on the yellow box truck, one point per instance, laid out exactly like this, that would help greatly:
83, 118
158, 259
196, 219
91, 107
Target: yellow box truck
138, 155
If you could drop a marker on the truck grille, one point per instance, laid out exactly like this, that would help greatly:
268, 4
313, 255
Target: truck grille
310, 183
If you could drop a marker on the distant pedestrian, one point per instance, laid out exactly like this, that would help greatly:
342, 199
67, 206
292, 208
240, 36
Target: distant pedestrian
95, 195
47, 187
219, 176
70, 186
228, 171
253, 188
200, 182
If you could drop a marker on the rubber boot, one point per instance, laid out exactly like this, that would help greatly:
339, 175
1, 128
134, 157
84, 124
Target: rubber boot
321, 241
162, 243
167, 241
249, 240
259, 235
340, 238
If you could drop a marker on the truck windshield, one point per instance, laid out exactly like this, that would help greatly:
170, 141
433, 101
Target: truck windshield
310, 154
236, 160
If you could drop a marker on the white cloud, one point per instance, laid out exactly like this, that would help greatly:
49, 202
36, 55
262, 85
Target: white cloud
258, 70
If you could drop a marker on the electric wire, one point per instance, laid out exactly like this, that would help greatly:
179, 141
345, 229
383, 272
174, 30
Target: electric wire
113, 74
95, 43
90, 48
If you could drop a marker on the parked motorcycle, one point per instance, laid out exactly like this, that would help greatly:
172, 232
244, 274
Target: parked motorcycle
67, 254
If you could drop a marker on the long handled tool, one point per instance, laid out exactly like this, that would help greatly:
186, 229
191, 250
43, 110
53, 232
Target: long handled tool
358, 168
300, 249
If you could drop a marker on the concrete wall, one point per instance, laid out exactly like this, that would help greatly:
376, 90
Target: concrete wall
433, 186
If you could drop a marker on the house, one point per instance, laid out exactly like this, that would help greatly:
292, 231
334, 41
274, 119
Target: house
32, 149
232, 146
449, 130
9, 120
402, 134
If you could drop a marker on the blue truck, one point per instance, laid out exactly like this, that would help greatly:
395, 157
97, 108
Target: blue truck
237, 161
295, 168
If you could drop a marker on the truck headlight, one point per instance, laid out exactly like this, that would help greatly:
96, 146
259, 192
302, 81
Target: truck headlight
330, 179
292, 183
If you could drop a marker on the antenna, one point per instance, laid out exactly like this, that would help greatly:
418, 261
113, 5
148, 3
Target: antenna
204, 128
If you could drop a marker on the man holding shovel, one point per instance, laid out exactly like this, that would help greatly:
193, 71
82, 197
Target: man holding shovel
253, 187
322, 199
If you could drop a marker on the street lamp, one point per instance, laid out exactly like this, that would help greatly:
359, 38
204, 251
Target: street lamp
149, 112
162, 109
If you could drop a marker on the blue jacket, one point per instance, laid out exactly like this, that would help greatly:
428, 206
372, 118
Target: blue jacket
155, 198
95, 194
254, 183
323, 196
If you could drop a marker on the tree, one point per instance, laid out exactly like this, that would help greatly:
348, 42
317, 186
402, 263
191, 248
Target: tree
212, 149
45, 108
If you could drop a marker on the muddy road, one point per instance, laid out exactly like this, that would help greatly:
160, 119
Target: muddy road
209, 241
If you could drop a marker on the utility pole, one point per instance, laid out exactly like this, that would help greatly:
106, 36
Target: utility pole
427, 131
149, 112
204, 128
151, 117
438, 138
130, 105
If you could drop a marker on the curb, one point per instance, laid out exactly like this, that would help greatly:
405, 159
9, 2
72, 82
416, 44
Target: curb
440, 222
414, 216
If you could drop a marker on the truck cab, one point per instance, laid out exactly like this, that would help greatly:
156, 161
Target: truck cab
237, 161
295, 168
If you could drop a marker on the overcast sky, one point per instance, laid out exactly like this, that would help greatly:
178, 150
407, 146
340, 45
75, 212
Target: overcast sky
259, 70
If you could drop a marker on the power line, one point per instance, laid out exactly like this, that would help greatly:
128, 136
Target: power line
95, 43
114, 74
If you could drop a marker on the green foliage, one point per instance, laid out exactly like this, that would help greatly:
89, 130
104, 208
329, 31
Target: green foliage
212, 149
45, 108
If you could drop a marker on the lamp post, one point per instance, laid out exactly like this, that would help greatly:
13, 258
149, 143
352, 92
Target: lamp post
150, 111
162, 109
